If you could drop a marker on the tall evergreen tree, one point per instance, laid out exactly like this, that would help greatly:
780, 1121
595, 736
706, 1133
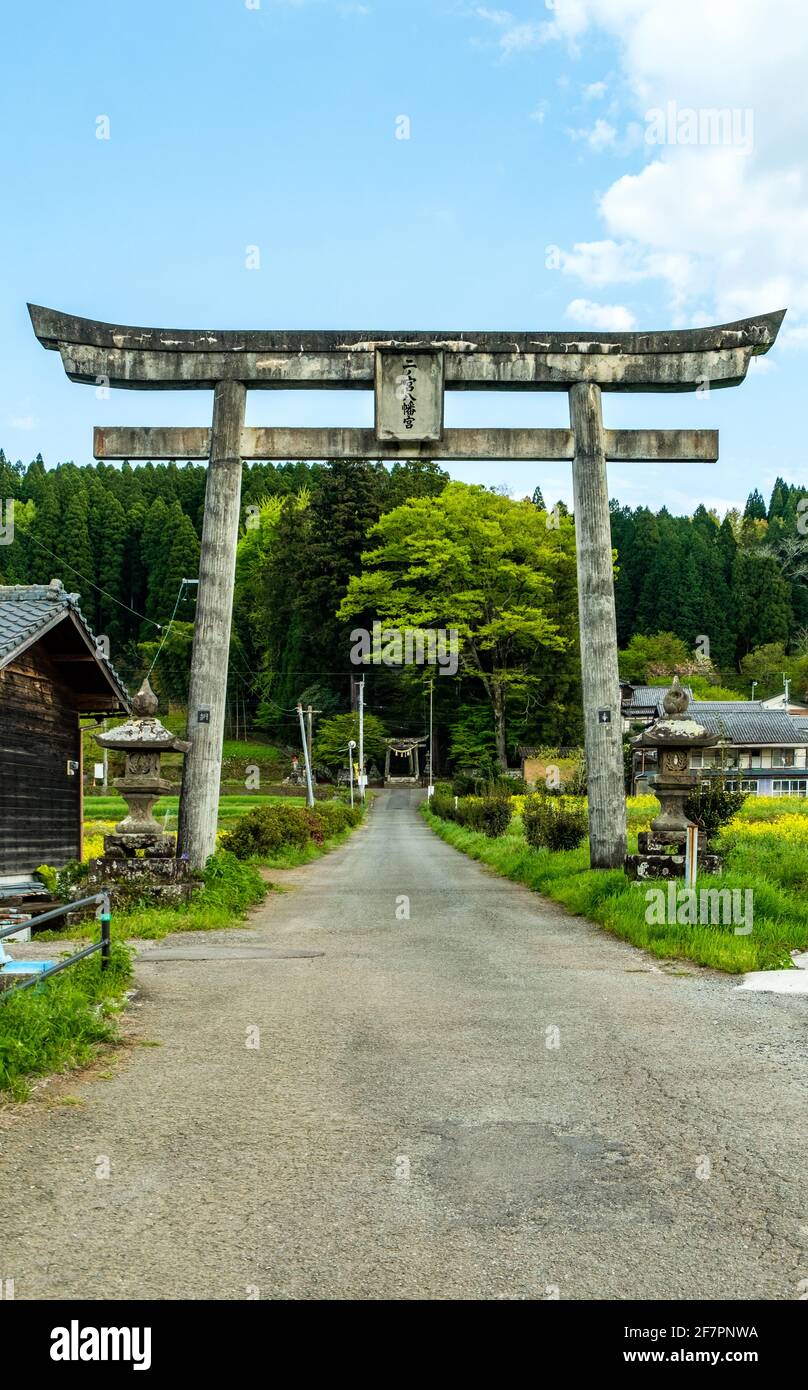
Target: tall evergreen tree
755, 509
108, 535
154, 559
762, 600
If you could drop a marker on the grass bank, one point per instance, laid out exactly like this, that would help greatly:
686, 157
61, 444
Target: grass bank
231, 808
760, 859
229, 890
60, 1024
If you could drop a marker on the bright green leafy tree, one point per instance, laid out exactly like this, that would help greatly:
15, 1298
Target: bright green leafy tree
330, 743
491, 568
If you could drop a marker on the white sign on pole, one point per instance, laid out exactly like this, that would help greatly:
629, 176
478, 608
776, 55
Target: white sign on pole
692, 856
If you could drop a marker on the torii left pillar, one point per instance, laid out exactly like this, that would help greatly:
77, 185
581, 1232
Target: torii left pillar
207, 692
599, 674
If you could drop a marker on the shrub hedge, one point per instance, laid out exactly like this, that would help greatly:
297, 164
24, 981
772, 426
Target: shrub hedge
712, 806
267, 830
489, 814
497, 812
553, 822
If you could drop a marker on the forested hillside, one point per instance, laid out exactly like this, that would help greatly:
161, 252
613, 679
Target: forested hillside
125, 537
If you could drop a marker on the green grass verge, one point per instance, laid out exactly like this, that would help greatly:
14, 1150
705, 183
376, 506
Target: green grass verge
60, 1023
237, 754
777, 876
231, 808
230, 889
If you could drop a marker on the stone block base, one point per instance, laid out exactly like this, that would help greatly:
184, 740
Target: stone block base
655, 866
665, 842
164, 880
153, 844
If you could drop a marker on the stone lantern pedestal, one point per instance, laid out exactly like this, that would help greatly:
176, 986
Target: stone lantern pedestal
138, 853
662, 849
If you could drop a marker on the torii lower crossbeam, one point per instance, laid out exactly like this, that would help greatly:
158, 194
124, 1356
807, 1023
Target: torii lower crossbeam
622, 446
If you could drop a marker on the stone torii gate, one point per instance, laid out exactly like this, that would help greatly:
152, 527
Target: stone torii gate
404, 748
409, 373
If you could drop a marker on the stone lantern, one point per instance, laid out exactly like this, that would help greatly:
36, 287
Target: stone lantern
662, 849
143, 739
139, 852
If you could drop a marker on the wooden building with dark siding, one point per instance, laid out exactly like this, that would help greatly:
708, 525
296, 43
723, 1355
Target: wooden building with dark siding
51, 675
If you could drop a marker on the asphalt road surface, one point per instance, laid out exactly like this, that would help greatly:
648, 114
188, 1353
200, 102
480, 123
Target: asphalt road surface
483, 1099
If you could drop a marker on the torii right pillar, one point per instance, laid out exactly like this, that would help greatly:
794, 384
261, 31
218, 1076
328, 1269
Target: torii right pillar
608, 843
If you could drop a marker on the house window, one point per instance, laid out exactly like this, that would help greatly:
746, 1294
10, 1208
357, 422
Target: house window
783, 757
714, 758
790, 786
746, 784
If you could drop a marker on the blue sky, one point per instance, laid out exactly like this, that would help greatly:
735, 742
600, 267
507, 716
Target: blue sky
274, 125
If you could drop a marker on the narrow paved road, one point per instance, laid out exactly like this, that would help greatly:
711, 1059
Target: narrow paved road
404, 1130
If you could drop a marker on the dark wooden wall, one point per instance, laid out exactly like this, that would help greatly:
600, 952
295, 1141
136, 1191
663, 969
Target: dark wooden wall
40, 805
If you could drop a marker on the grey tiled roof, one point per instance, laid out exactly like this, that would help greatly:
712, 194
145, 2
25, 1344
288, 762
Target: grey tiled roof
742, 706
745, 722
26, 609
739, 721
649, 697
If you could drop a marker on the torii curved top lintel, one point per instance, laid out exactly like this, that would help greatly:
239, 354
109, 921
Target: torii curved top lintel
55, 329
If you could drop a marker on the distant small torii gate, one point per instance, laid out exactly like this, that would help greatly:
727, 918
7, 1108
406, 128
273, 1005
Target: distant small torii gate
409, 373
403, 748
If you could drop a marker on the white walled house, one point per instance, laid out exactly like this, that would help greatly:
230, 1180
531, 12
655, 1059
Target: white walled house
763, 751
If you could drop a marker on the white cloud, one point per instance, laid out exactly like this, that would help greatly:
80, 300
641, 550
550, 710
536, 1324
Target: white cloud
503, 18
723, 229
22, 422
601, 136
792, 337
516, 35
595, 91
608, 317
613, 263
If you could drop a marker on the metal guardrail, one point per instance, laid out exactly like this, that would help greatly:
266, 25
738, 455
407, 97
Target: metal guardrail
103, 945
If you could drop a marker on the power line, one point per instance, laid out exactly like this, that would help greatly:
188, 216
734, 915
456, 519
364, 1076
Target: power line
93, 585
180, 593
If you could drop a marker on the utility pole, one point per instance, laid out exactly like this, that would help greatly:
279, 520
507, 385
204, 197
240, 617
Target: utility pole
309, 739
351, 746
754, 688
787, 689
207, 692
105, 779
362, 740
429, 787
600, 678
309, 788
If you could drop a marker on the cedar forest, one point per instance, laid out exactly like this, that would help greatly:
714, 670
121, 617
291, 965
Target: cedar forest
327, 548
